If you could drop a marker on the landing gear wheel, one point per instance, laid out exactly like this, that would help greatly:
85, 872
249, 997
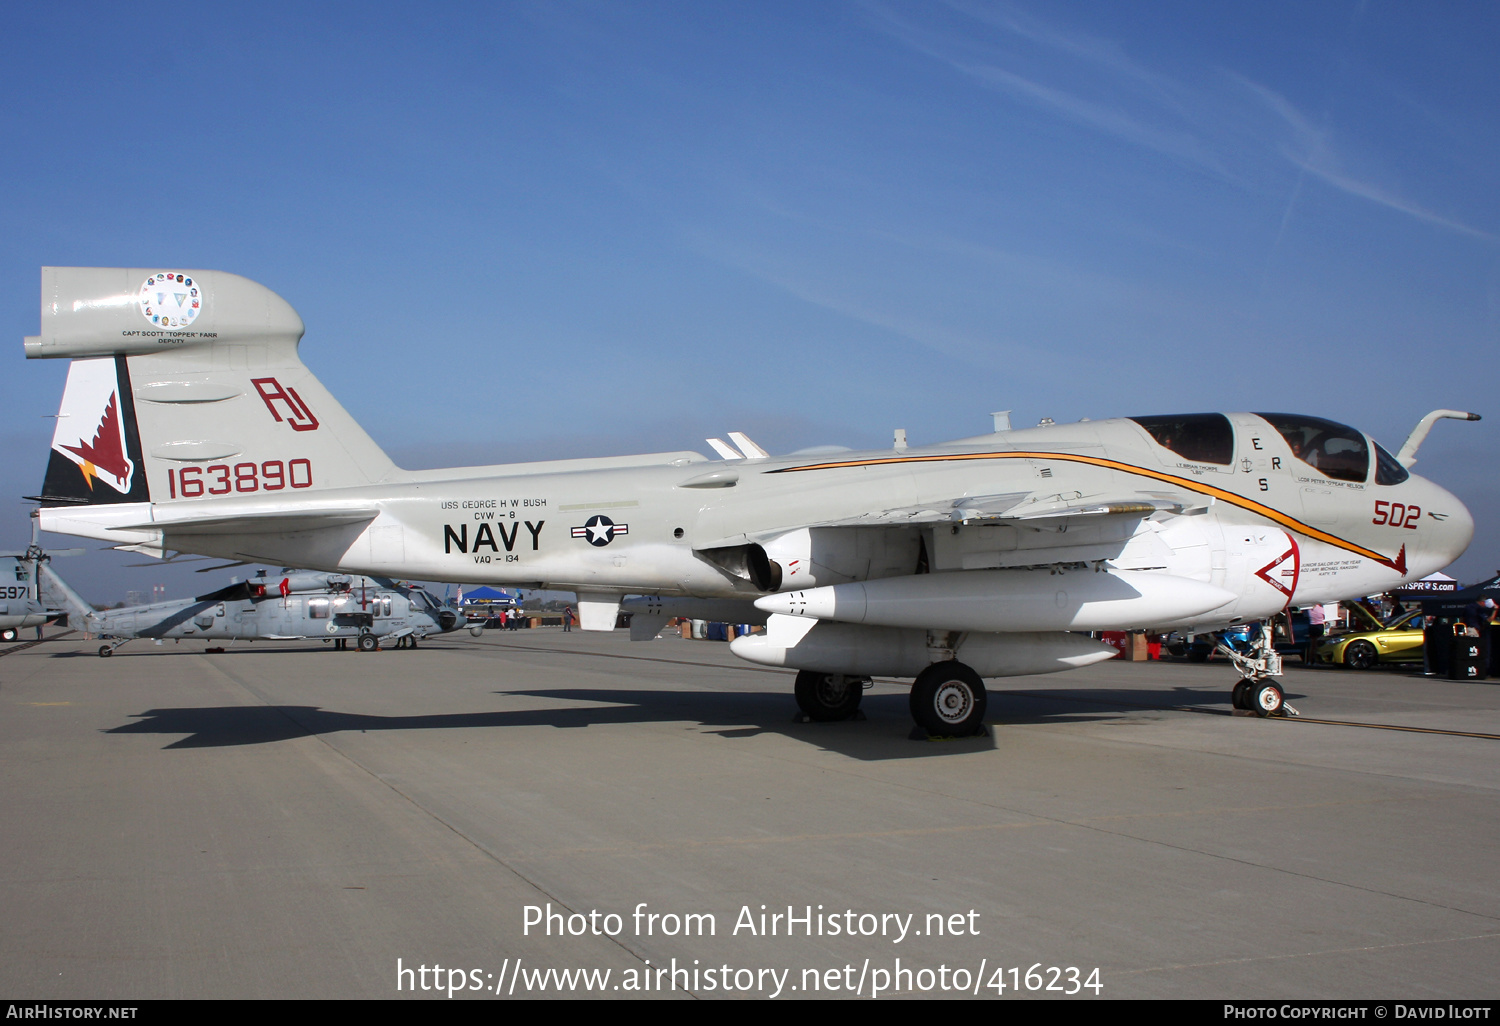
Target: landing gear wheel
1239, 698
105, 651
1360, 655
9, 634
948, 699
411, 641
368, 643
1268, 700
826, 697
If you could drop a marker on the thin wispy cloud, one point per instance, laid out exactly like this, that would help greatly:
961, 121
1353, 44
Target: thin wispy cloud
1226, 125
1308, 148
1376, 194
1111, 120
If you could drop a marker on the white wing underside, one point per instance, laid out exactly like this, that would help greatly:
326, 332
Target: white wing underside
1014, 507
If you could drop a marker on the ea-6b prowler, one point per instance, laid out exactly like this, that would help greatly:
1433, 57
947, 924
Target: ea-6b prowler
190, 424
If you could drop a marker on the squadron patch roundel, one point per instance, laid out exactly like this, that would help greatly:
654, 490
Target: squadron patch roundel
170, 299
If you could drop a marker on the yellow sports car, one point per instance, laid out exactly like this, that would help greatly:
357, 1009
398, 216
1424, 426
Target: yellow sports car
1400, 642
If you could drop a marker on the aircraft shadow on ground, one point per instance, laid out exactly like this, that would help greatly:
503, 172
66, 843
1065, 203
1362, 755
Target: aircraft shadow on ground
884, 732
1039, 705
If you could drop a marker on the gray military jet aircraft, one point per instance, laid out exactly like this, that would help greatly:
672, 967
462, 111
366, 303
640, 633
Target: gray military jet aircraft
190, 424
291, 605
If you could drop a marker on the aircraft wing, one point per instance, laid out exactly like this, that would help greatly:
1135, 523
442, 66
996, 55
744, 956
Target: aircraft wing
1013, 507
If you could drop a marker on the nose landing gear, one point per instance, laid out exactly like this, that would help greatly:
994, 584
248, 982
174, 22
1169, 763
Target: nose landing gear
1258, 662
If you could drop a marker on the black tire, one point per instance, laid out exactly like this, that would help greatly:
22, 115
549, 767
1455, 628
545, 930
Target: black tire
1239, 697
411, 641
1266, 700
105, 651
1360, 655
948, 699
9, 634
368, 643
826, 697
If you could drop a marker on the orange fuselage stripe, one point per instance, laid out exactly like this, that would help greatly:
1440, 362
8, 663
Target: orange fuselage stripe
1234, 498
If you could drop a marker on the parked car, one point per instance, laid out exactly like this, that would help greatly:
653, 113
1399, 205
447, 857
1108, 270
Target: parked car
1398, 642
1198, 648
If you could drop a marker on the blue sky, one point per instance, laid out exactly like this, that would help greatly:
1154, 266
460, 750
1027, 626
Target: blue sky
523, 230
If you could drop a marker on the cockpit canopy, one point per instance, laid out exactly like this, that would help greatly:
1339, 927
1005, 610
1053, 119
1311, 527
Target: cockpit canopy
1334, 450
1200, 437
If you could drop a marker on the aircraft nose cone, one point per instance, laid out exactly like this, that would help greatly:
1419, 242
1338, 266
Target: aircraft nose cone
1448, 523
1460, 527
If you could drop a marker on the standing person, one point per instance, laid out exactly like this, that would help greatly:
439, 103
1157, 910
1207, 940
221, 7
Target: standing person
1316, 621
567, 618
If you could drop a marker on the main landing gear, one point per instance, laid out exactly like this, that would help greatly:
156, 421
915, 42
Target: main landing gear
825, 697
948, 700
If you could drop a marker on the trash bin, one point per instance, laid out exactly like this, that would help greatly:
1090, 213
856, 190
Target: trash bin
1437, 641
1466, 656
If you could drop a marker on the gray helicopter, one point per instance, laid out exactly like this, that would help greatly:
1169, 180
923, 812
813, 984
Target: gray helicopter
294, 604
21, 605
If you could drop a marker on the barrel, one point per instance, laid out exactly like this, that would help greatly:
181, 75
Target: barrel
1466, 659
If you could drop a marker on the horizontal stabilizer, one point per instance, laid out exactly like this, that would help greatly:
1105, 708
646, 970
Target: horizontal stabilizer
262, 523
107, 311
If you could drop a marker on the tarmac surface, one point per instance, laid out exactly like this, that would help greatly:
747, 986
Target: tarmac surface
287, 821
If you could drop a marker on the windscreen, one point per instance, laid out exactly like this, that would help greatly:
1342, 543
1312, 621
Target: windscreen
1199, 437
1387, 470
1334, 450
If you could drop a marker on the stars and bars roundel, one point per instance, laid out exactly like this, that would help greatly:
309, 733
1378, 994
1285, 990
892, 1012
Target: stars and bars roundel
600, 530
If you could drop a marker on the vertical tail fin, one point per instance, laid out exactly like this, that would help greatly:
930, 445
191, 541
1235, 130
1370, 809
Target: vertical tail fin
187, 385
96, 446
56, 594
